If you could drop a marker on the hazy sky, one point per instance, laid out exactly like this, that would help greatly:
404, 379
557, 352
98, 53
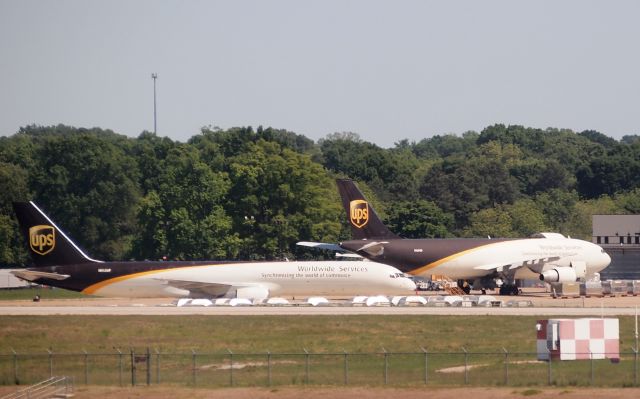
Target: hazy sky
386, 70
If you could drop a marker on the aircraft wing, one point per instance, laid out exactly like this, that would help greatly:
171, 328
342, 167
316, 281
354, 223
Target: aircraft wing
32, 275
199, 287
239, 290
534, 264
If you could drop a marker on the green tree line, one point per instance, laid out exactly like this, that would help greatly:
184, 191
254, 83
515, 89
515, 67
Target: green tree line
247, 193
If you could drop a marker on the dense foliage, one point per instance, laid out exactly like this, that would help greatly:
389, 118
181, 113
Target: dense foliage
252, 194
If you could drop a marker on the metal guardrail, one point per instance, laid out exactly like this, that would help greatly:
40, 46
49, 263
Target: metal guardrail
51, 387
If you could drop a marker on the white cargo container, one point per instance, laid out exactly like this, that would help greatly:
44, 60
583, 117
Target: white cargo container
614, 287
591, 288
565, 289
633, 287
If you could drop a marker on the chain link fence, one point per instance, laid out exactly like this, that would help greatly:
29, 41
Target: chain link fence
150, 366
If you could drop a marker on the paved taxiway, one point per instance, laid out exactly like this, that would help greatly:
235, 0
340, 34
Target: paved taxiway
304, 310
544, 305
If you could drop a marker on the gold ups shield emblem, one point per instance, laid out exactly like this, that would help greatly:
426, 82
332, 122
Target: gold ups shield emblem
359, 213
42, 239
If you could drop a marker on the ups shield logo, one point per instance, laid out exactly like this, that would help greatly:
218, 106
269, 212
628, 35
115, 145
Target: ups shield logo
42, 239
359, 213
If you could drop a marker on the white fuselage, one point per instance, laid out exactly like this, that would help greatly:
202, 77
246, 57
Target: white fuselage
306, 278
559, 252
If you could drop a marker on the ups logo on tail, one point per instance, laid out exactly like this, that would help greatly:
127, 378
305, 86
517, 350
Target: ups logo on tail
359, 213
42, 239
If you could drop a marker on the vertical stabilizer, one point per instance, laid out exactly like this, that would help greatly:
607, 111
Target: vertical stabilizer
364, 221
48, 245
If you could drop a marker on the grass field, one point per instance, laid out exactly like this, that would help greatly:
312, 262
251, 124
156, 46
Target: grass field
193, 350
276, 333
178, 338
323, 392
48, 293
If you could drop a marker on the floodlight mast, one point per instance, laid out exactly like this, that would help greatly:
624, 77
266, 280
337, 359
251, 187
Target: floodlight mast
154, 76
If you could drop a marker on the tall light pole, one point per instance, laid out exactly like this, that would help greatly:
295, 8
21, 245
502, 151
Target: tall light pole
154, 76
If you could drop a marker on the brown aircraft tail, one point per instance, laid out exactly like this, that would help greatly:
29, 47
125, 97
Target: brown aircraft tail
48, 245
365, 223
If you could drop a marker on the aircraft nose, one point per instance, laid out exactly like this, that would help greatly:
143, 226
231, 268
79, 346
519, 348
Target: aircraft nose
606, 259
408, 284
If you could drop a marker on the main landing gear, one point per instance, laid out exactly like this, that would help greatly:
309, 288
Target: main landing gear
464, 286
509, 289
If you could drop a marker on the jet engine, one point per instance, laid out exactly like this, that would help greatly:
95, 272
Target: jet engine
252, 292
576, 270
559, 275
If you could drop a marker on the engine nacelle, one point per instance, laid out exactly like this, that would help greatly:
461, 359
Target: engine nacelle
253, 292
559, 275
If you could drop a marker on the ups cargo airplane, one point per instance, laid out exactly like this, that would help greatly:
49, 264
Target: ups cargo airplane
551, 257
60, 263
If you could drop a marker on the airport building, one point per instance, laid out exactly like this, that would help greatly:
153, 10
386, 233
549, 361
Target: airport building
619, 235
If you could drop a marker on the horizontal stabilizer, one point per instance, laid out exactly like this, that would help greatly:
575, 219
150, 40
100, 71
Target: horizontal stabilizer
348, 255
321, 245
32, 275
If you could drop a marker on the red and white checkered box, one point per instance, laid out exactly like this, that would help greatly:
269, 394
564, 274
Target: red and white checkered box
576, 339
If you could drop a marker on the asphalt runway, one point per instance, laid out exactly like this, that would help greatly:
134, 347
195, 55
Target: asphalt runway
543, 305
304, 310
156, 307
